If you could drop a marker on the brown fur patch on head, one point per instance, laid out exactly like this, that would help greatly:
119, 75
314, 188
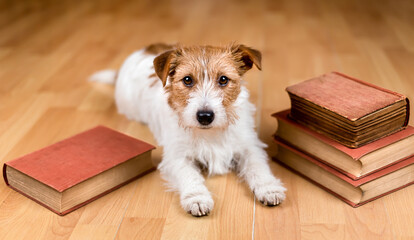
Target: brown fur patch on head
164, 65
245, 57
205, 63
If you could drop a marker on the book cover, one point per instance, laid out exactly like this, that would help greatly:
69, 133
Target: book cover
76, 159
346, 96
348, 110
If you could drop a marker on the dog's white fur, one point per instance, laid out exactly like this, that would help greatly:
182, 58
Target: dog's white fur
219, 149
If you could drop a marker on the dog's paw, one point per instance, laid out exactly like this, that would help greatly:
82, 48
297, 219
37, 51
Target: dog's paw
271, 194
198, 205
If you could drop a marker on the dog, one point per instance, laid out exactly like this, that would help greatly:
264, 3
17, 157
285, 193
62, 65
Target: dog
194, 102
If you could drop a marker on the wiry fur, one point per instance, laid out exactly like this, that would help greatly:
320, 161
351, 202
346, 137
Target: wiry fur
230, 142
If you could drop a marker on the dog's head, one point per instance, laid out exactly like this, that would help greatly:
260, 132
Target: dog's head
203, 82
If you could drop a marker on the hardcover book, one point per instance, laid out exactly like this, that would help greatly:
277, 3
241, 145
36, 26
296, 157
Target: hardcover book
348, 110
353, 192
353, 162
71, 173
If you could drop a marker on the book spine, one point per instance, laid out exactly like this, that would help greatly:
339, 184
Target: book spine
407, 117
5, 175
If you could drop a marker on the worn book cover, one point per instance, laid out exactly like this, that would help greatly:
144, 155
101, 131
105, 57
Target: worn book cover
67, 164
348, 110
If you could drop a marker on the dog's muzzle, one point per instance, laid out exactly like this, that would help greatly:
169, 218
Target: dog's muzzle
205, 117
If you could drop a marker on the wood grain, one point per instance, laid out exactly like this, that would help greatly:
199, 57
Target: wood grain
48, 49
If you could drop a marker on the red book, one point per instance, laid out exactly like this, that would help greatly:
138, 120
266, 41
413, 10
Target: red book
353, 162
71, 173
353, 192
348, 110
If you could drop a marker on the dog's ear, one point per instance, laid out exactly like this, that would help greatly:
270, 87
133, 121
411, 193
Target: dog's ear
247, 57
163, 66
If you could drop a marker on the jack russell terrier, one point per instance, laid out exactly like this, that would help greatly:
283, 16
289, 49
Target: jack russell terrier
194, 102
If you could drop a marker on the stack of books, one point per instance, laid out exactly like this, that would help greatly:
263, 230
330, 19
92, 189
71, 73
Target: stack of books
347, 136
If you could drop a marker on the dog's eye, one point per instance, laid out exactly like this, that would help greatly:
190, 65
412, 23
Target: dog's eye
223, 80
188, 81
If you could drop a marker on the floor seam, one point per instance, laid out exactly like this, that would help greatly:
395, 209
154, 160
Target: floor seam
254, 215
126, 208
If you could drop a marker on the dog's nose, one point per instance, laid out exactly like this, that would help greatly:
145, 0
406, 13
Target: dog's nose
205, 117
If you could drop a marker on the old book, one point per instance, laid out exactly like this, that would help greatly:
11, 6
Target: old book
71, 173
348, 110
353, 162
353, 192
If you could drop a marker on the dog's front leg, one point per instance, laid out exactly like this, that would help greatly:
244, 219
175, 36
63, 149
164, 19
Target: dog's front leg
254, 168
184, 176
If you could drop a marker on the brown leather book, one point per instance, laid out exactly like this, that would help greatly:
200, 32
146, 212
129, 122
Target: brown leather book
71, 173
348, 110
353, 192
353, 162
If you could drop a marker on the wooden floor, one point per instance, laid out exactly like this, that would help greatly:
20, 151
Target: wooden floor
49, 48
